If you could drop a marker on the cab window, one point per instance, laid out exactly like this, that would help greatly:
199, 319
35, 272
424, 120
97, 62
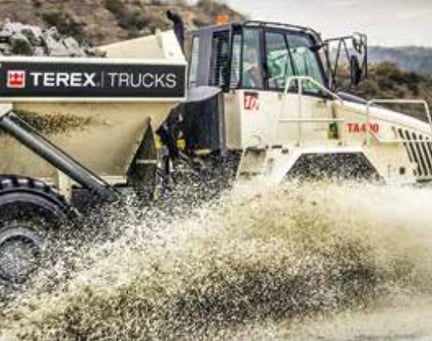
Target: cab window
289, 54
219, 71
304, 59
279, 63
194, 59
236, 60
251, 66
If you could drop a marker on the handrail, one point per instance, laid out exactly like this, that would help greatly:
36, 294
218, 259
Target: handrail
312, 120
302, 79
299, 119
368, 132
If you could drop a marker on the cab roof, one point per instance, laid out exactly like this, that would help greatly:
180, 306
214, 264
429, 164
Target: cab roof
258, 23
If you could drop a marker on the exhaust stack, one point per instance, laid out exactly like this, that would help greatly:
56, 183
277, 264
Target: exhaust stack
178, 27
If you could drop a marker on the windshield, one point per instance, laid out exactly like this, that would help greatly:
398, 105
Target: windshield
284, 55
289, 54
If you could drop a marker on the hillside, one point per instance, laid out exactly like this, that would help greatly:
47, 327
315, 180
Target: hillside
387, 80
410, 58
105, 21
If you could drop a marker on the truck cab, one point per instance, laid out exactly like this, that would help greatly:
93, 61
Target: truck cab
253, 55
279, 104
251, 63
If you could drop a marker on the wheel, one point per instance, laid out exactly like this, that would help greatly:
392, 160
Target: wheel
29, 209
21, 250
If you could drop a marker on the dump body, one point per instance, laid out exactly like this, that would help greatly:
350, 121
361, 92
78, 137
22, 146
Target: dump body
100, 127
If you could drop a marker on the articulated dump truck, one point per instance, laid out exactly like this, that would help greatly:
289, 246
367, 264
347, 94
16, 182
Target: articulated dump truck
262, 94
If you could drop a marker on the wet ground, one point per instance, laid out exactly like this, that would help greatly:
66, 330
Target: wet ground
410, 321
320, 261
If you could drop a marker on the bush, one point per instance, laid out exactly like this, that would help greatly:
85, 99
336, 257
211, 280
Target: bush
387, 80
66, 23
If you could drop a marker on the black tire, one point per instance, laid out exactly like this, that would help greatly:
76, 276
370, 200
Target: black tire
29, 210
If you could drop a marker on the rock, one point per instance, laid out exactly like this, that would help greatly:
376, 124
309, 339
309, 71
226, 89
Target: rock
26, 40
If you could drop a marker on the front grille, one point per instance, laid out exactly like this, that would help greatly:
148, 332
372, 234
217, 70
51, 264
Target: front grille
419, 150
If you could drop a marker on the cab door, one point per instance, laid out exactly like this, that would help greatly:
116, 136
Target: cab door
267, 59
299, 117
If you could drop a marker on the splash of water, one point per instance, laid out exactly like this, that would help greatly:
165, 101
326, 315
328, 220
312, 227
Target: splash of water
261, 255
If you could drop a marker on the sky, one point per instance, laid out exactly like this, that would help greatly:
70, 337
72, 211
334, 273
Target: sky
386, 22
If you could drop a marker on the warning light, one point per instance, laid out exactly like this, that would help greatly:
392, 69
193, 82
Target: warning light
222, 19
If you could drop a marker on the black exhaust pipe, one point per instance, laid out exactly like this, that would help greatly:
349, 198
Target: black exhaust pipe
178, 27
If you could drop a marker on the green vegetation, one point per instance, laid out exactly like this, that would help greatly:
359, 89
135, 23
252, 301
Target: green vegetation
136, 20
66, 23
387, 80
107, 21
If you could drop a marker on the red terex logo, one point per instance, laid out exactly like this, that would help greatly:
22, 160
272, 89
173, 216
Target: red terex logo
16, 79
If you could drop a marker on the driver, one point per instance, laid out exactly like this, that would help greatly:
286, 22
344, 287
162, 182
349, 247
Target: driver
251, 73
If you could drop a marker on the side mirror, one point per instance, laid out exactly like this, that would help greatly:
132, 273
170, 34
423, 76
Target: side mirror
355, 70
354, 48
358, 42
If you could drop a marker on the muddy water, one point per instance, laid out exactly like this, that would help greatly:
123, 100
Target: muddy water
303, 261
